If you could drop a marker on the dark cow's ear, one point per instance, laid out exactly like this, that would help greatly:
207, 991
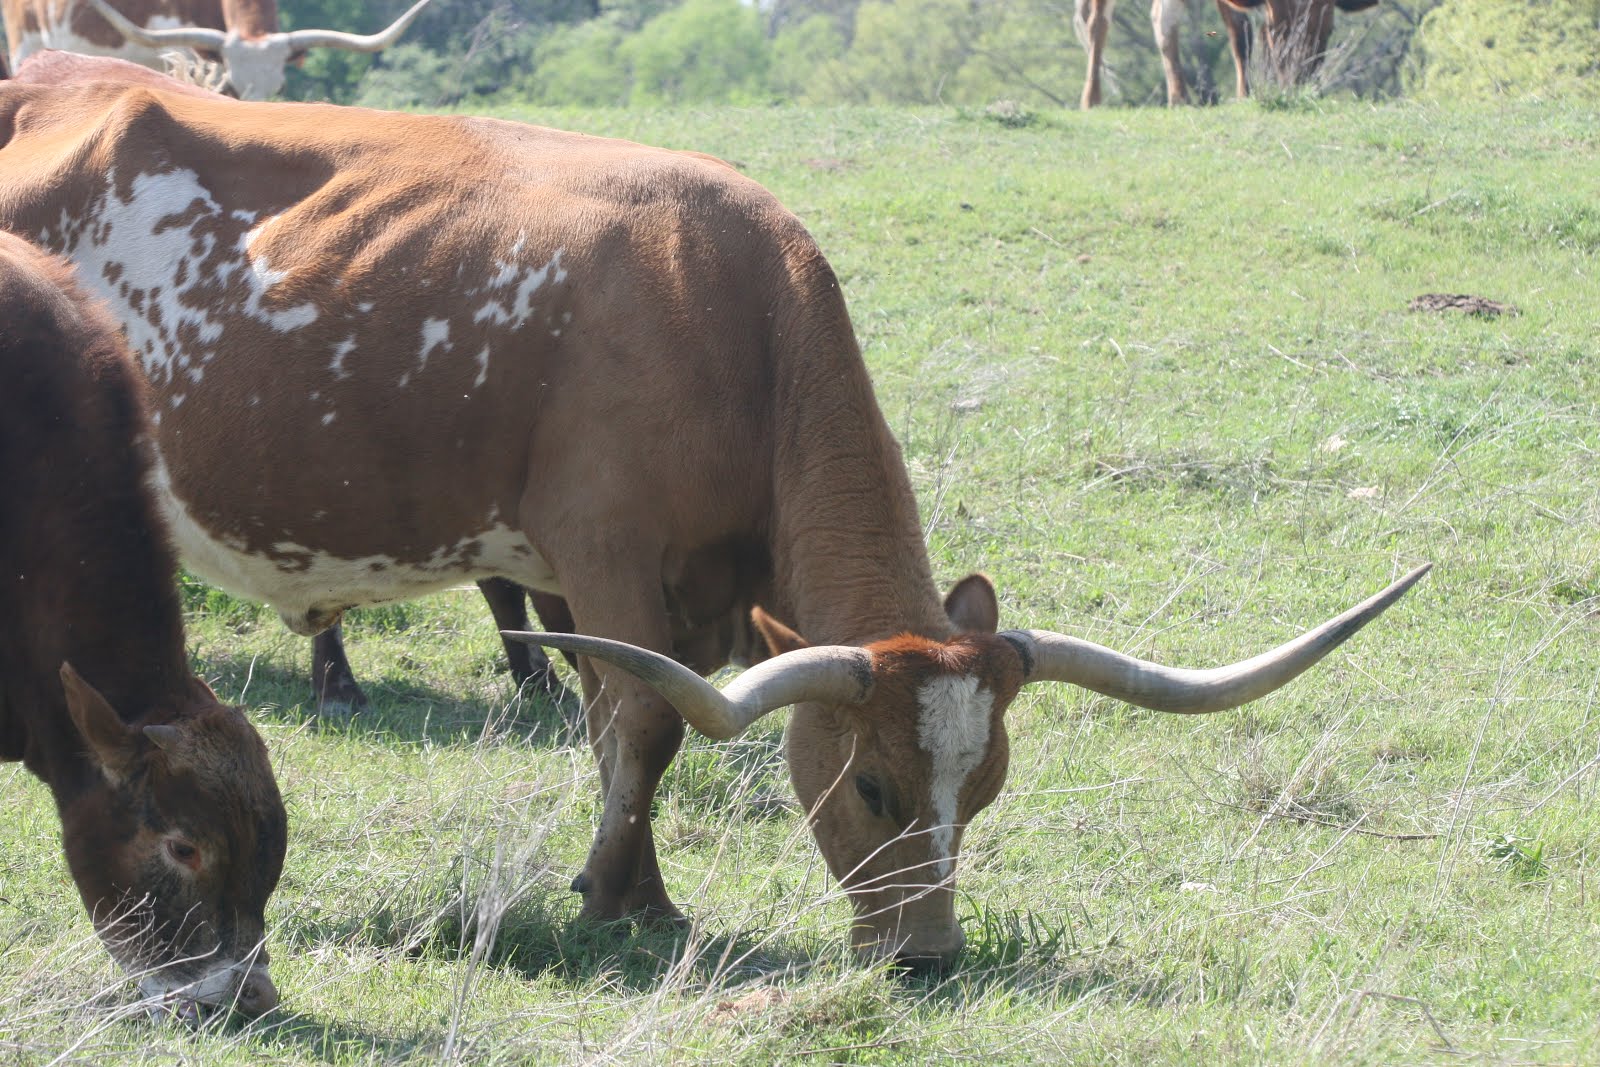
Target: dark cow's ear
779, 638
972, 605
111, 742
1354, 5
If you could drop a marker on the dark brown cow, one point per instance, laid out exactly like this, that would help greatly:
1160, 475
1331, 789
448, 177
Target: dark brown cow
170, 816
1294, 32
395, 352
242, 35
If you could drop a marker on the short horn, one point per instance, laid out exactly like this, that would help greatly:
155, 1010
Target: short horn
1053, 657
176, 37
300, 40
833, 674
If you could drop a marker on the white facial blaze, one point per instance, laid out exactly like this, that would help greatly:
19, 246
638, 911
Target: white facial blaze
954, 730
255, 66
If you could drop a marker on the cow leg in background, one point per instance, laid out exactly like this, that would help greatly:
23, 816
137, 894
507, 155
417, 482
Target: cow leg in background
331, 678
508, 604
1238, 26
1165, 17
1091, 20
555, 617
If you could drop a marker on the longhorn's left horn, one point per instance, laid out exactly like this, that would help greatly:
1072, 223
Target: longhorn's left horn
176, 37
834, 674
300, 40
1053, 657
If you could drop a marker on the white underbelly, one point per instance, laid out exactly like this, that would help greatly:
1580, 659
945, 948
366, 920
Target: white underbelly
309, 588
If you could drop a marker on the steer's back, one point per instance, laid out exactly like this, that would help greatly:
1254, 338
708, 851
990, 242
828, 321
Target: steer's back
389, 350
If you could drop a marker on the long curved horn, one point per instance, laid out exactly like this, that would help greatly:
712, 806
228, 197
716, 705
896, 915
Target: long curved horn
176, 37
300, 40
1053, 657
835, 674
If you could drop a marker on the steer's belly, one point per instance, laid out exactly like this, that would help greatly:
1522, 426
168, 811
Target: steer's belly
309, 587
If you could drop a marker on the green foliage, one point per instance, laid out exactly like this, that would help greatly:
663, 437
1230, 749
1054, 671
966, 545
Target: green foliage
1486, 48
800, 51
904, 51
702, 51
583, 65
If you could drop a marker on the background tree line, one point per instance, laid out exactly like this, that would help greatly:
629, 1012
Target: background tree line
967, 52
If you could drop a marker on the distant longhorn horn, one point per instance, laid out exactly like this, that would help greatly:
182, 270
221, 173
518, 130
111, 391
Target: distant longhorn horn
300, 40
167, 738
176, 37
835, 674
1055, 657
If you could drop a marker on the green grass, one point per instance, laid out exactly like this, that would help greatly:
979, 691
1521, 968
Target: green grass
1155, 374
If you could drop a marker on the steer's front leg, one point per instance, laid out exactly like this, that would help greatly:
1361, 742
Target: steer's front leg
635, 734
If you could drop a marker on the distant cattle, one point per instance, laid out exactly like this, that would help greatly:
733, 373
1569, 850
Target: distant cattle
241, 35
170, 816
395, 352
1294, 33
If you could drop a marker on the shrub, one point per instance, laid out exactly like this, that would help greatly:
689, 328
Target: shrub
1483, 48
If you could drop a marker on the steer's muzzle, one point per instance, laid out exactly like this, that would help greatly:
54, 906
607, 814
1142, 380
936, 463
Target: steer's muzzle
918, 965
926, 952
244, 987
257, 994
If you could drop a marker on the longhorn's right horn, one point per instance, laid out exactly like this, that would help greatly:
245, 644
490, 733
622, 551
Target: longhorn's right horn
834, 674
1053, 657
177, 37
300, 40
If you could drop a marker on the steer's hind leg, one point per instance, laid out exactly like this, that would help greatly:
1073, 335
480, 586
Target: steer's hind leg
331, 678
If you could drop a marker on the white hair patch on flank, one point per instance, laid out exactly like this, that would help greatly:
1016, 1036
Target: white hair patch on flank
954, 729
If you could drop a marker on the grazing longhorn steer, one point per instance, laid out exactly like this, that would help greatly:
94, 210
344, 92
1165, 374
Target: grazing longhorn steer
170, 817
1295, 33
242, 35
392, 352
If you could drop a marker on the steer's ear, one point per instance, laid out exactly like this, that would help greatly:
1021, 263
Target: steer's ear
1354, 5
972, 605
111, 742
779, 638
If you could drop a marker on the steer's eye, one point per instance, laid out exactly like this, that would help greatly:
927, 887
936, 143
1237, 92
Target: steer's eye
184, 853
871, 793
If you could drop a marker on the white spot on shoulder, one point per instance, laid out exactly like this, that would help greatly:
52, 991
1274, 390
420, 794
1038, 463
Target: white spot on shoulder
435, 334
953, 728
510, 290
483, 368
340, 351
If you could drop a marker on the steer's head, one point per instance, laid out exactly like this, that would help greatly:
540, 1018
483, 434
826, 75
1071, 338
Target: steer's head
253, 57
175, 841
895, 746
891, 781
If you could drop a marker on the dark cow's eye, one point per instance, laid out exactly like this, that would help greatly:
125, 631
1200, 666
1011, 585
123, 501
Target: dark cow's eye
183, 852
871, 793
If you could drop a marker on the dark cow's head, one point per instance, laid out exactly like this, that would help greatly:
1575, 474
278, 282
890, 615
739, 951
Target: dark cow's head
176, 845
895, 746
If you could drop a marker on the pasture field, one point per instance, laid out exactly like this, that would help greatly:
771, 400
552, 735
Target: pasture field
1155, 374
